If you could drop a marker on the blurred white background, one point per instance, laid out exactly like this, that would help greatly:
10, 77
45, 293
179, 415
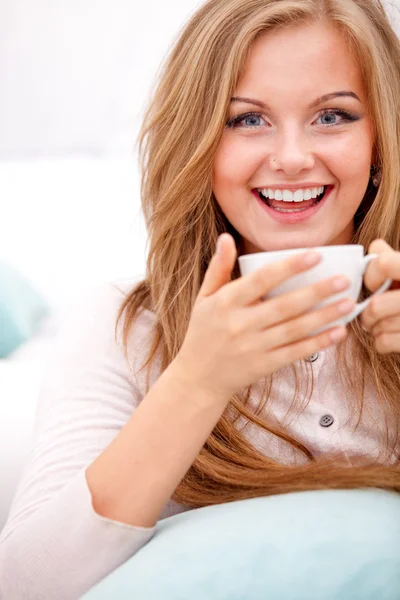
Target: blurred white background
75, 77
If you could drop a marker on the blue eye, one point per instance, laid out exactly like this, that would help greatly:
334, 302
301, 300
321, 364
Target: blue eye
331, 117
249, 120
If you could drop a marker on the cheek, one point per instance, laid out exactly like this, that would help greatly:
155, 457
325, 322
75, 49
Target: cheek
234, 164
352, 157
353, 166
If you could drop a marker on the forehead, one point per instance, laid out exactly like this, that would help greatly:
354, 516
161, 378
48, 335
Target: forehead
302, 57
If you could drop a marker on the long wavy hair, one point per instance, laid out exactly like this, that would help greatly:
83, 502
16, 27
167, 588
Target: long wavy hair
177, 144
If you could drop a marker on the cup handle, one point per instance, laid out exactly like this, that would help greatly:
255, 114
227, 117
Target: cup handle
362, 305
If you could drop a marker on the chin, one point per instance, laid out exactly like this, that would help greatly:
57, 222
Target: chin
290, 244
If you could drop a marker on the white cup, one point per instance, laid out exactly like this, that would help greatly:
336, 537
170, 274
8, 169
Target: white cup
336, 260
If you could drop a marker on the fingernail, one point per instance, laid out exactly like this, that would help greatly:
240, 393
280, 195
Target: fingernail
219, 246
346, 306
337, 334
340, 283
311, 258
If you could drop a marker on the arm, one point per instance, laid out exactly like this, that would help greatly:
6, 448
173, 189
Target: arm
135, 476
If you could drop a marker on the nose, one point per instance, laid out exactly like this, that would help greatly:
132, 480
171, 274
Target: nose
291, 153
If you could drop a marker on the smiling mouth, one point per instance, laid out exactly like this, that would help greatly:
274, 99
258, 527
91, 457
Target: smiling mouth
292, 206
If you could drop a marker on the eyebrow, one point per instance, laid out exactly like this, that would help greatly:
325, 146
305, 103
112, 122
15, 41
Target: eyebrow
320, 100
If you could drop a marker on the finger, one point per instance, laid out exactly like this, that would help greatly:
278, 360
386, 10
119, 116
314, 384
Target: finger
381, 306
221, 265
378, 246
288, 306
389, 325
297, 329
305, 348
379, 269
387, 342
252, 287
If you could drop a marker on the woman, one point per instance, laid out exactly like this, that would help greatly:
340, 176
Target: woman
257, 97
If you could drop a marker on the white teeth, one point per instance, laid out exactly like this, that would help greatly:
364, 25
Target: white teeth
307, 194
296, 196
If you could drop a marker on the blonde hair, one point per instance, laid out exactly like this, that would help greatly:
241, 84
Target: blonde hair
178, 141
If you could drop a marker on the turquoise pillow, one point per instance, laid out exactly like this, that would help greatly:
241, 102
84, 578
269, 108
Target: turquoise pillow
318, 545
21, 310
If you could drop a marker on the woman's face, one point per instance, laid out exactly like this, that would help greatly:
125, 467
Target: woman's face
284, 135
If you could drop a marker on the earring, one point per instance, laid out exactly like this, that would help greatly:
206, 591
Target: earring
376, 175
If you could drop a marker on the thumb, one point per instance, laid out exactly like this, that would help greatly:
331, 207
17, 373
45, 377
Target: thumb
220, 267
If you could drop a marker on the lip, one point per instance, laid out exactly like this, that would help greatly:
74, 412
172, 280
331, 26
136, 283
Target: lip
291, 218
292, 188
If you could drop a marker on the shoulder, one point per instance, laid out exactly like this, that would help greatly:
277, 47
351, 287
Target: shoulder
97, 309
87, 358
90, 330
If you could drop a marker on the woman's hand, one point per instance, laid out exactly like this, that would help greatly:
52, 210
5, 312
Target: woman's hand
382, 316
234, 338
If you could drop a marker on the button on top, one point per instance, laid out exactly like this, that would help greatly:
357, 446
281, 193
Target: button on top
313, 357
326, 421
